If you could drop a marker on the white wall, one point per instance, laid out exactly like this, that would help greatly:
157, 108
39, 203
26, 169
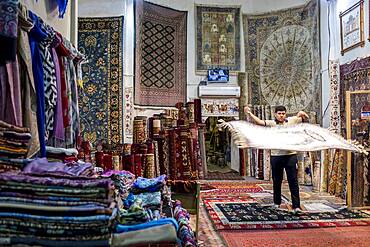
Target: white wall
48, 11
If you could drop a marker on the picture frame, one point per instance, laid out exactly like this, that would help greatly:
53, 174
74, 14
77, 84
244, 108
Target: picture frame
352, 27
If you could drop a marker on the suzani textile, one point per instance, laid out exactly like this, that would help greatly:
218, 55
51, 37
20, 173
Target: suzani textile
283, 58
160, 55
101, 97
218, 37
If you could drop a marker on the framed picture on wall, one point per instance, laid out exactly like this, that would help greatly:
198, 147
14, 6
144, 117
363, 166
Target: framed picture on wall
352, 27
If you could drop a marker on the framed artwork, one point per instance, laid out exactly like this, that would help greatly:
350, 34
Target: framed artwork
352, 27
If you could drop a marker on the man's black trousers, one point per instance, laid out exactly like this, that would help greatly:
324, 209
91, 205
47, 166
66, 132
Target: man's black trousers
289, 163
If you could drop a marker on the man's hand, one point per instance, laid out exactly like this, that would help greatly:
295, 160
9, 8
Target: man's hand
303, 115
247, 110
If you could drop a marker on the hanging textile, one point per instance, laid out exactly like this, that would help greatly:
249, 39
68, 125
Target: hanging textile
160, 55
37, 35
28, 89
50, 83
101, 97
8, 30
283, 57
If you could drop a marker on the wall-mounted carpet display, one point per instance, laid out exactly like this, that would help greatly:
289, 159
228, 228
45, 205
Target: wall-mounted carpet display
160, 55
217, 37
354, 76
100, 39
283, 58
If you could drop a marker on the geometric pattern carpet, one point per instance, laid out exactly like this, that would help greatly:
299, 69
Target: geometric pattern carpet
250, 214
222, 191
160, 55
246, 205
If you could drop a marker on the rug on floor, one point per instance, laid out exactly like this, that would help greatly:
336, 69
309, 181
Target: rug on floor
250, 214
218, 175
313, 237
232, 189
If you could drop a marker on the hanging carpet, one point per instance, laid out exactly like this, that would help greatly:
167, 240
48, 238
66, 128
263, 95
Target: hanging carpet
217, 37
160, 55
283, 58
101, 113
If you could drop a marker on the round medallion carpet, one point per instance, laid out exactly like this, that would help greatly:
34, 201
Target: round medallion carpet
315, 237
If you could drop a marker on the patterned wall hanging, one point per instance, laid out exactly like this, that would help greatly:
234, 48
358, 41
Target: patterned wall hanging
354, 76
160, 55
334, 96
218, 37
100, 39
283, 58
129, 112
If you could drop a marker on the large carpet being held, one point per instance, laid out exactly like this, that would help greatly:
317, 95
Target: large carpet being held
100, 39
160, 55
283, 58
301, 137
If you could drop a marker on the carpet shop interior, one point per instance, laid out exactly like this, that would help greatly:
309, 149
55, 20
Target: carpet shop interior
119, 122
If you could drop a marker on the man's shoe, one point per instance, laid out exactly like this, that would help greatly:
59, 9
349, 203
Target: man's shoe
297, 211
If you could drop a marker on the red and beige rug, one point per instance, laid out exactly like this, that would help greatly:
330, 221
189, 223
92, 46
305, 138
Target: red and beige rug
311, 237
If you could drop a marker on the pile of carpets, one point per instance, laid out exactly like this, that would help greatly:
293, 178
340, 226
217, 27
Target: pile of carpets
13, 146
55, 206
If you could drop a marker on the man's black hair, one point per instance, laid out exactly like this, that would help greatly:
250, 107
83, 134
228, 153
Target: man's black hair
280, 108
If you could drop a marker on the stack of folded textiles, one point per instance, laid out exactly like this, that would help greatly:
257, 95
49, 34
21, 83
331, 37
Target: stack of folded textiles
55, 208
13, 146
140, 218
185, 233
61, 154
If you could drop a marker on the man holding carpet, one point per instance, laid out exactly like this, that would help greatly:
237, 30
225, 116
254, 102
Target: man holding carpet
283, 159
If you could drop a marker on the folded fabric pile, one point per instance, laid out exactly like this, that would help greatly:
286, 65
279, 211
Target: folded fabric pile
61, 154
123, 181
185, 233
144, 203
55, 209
160, 232
13, 145
43, 166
